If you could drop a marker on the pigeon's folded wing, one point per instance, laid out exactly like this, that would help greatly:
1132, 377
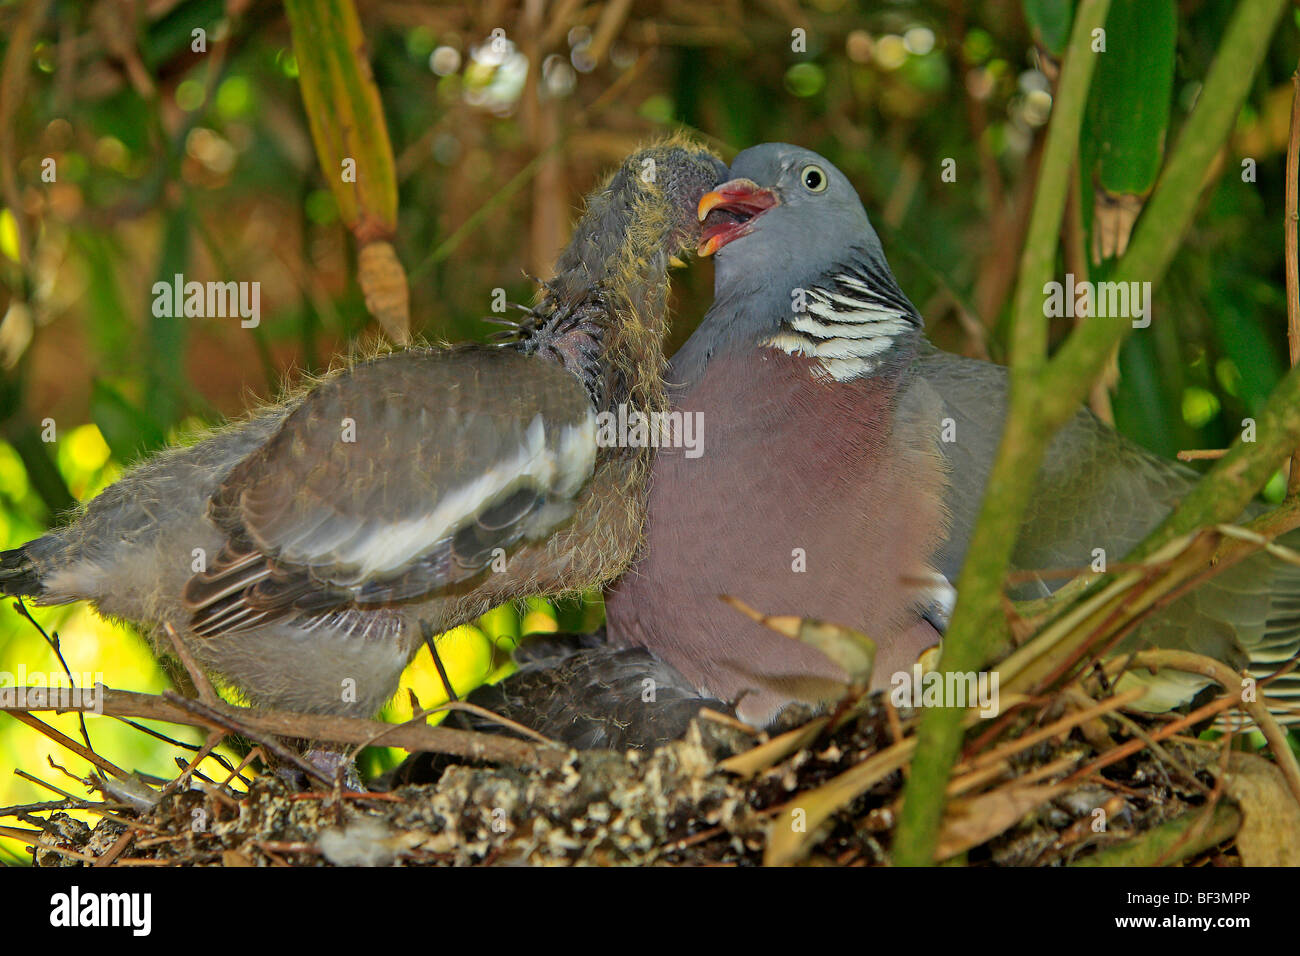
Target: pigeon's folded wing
393, 480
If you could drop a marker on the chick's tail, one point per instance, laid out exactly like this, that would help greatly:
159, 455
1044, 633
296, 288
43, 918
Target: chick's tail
19, 576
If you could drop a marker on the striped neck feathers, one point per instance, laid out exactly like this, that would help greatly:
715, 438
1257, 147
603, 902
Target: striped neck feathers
853, 320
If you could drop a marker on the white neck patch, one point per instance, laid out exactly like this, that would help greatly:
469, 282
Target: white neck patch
845, 330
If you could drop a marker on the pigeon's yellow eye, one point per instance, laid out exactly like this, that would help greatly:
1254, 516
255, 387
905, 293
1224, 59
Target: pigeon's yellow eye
813, 178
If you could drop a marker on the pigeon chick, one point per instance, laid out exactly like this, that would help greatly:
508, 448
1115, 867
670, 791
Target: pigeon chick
299, 553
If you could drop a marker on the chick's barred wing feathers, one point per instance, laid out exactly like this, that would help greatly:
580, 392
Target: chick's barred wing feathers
395, 479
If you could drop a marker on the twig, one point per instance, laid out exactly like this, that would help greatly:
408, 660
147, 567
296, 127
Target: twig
349, 795
52, 640
1292, 280
726, 720
1136, 730
68, 803
1076, 609
237, 772
226, 722
33, 839
1201, 454
1213, 708
1216, 796
181, 744
1068, 722
64, 740
116, 849
189, 767
201, 683
466, 707
1230, 680
417, 737
430, 639
98, 809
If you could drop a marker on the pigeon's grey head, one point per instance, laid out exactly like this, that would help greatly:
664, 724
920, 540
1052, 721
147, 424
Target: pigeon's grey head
781, 203
798, 267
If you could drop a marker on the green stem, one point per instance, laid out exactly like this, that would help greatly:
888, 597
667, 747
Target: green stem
1234, 480
1038, 258
1169, 211
42, 472
1043, 397
978, 620
1236, 477
1172, 842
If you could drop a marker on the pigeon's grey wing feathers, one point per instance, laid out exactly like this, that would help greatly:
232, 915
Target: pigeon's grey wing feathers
1097, 489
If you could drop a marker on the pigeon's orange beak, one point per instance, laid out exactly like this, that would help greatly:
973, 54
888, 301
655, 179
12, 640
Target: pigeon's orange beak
729, 212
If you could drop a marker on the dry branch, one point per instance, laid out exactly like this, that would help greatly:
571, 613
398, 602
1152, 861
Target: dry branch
465, 744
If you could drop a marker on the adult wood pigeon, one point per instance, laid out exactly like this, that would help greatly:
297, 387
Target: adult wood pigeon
300, 553
826, 488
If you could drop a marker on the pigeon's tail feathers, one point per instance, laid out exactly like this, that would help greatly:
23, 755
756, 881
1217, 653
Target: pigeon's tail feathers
19, 576
1273, 654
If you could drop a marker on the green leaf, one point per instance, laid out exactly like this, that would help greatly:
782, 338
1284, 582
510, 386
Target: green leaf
1242, 336
1132, 93
164, 344
1050, 22
345, 114
174, 32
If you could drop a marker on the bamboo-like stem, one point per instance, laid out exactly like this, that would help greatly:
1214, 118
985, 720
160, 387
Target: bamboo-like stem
1045, 394
1169, 212
1236, 477
978, 619
1290, 243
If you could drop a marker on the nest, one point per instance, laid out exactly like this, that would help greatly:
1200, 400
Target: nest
815, 794
1069, 774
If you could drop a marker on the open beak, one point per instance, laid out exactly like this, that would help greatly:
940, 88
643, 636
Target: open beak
729, 212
